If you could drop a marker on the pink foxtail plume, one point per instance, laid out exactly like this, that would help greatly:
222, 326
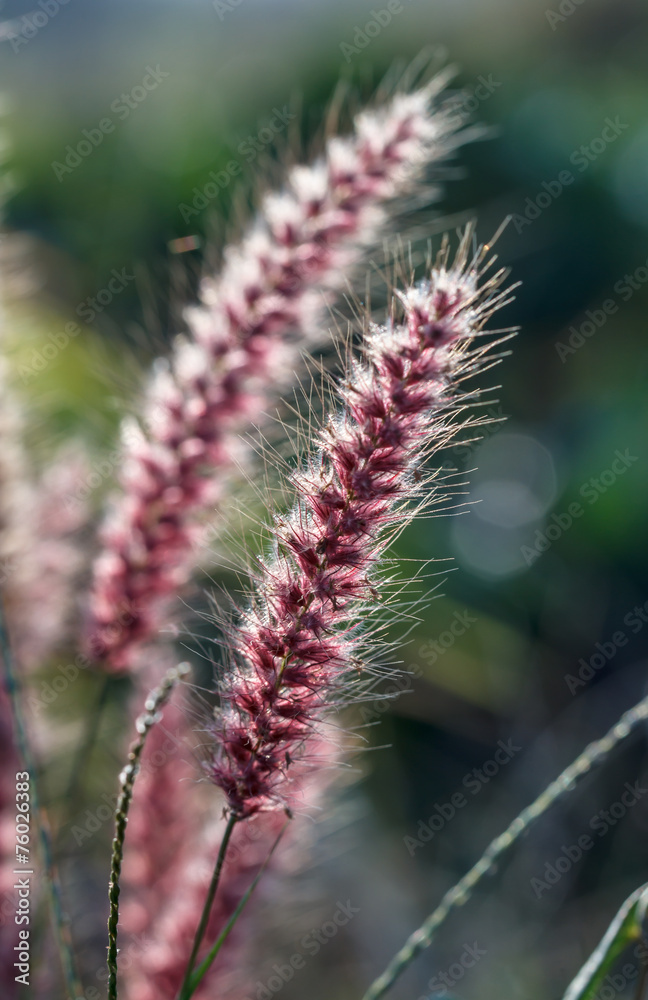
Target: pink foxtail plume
251, 327
43, 591
40, 534
297, 646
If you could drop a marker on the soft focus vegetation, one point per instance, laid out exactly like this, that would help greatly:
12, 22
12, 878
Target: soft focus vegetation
533, 638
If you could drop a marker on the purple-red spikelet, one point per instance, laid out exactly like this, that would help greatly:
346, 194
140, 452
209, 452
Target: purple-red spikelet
297, 644
252, 324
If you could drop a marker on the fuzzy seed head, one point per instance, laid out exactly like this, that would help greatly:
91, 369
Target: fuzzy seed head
294, 650
252, 323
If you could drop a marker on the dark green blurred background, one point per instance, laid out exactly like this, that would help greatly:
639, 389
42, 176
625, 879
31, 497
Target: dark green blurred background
545, 80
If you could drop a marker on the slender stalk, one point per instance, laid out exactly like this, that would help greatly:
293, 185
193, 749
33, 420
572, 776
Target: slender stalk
461, 892
211, 893
50, 872
145, 722
206, 964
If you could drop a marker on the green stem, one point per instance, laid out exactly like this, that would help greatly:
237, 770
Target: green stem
211, 893
626, 927
52, 881
206, 964
145, 722
461, 892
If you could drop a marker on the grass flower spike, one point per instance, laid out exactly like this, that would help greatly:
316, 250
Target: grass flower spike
297, 646
253, 322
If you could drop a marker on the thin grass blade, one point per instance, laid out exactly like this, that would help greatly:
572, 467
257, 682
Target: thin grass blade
207, 962
628, 926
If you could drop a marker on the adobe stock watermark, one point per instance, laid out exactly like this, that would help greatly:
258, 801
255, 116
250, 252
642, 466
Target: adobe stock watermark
493, 421
249, 149
130, 952
92, 820
600, 824
311, 944
364, 35
7, 569
103, 469
469, 99
122, 107
39, 359
565, 9
34, 21
473, 781
591, 491
225, 7
401, 682
447, 980
66, 674
431, 650
7, 908
581, 158
634, 620
624, 288
618, 982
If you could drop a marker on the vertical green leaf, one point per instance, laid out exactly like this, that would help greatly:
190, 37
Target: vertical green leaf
627, 926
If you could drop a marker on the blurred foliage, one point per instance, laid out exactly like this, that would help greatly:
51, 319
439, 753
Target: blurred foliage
553, 80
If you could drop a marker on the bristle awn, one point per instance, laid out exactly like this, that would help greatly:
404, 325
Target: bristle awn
52, 881
145, 722
462, 891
